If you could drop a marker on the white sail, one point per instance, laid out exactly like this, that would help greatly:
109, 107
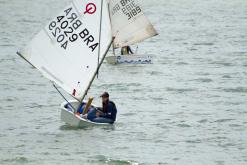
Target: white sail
129, 24
66, 50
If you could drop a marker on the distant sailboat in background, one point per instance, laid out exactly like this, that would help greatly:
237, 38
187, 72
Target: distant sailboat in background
129, 26
71, 48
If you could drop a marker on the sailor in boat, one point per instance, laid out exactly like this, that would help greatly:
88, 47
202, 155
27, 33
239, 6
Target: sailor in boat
126, 50
106, 114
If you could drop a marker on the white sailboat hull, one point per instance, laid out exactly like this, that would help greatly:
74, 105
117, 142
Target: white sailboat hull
71, 118
129, 59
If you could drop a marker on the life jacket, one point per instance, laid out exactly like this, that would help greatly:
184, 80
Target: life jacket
104, 108
113, 104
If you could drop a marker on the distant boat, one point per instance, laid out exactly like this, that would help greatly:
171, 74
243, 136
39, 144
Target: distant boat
70, 49
129, 59
129, 26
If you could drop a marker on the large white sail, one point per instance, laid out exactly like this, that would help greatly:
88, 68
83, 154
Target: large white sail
129, 24
66, 50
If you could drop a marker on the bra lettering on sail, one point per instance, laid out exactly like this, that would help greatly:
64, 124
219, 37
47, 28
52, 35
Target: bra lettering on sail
88, 39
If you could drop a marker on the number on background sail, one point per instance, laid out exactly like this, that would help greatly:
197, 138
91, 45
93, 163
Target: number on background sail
66, 50
129, 24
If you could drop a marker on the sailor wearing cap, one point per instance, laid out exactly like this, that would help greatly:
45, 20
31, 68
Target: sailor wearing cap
106, 114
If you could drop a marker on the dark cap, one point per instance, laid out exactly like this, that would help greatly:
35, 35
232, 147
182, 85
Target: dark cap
105, 94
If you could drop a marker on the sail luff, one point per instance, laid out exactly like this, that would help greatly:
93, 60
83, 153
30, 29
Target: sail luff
101, 6
109, 14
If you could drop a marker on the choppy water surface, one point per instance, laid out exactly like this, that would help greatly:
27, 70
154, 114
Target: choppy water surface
188, 107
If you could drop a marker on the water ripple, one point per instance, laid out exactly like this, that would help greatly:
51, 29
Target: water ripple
236, 90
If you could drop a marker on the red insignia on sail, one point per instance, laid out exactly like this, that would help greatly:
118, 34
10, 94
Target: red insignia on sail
90, 8
73, 93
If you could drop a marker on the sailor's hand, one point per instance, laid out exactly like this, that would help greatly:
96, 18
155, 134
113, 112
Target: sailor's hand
84, 116
99, 108
97, 114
